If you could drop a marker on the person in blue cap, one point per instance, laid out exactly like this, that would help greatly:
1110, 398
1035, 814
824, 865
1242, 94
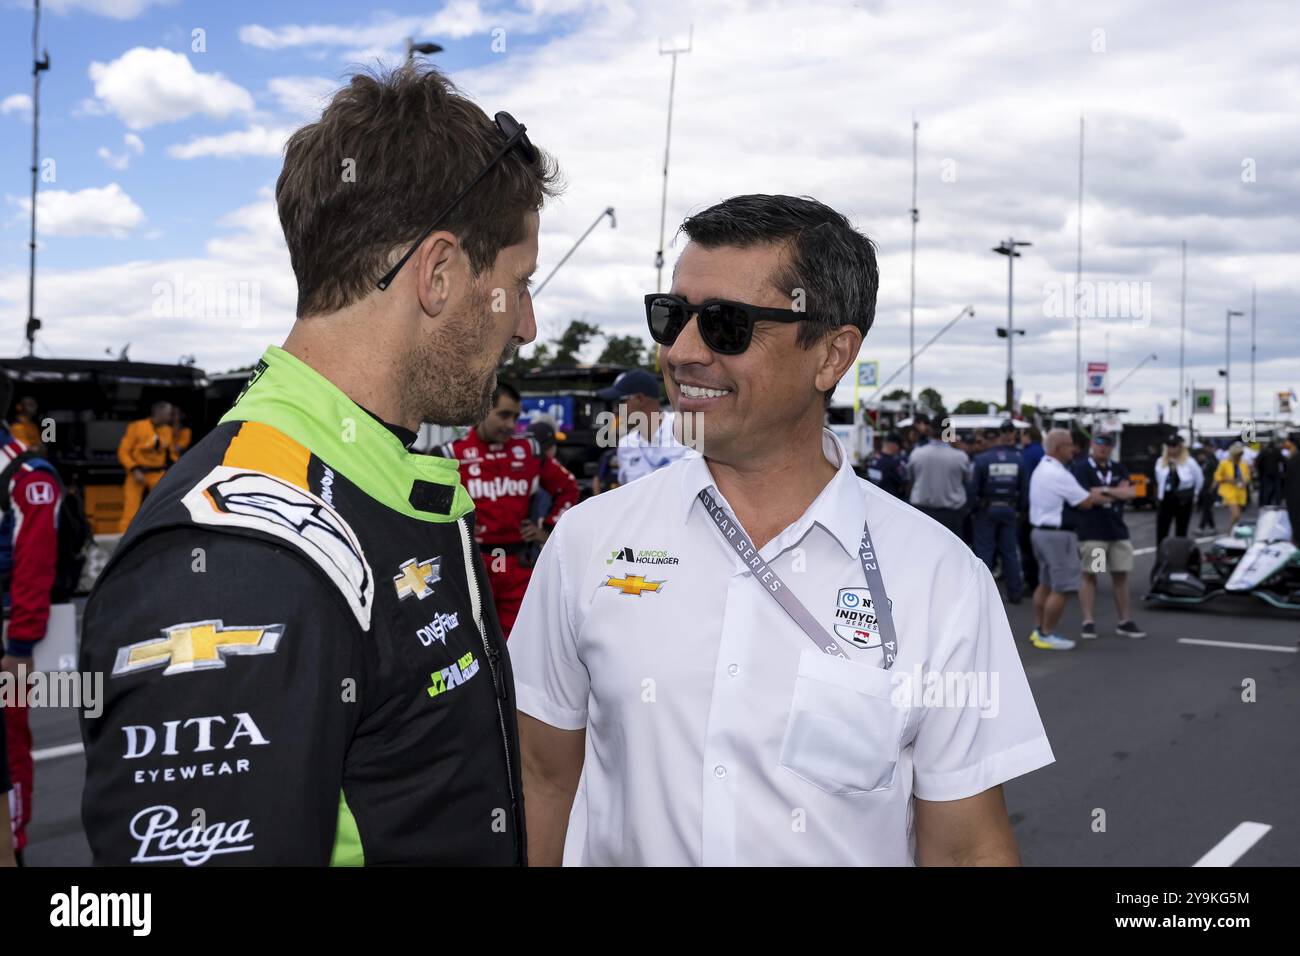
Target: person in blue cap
646, 440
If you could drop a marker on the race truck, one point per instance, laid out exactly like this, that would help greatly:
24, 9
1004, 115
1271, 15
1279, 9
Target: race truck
1260, 560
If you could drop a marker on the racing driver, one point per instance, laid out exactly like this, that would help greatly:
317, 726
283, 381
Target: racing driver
301, 663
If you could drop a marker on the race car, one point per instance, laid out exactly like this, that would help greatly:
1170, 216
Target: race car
1261, 560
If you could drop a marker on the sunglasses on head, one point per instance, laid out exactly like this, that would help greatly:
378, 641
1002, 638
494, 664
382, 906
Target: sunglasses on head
516, 135
726, 327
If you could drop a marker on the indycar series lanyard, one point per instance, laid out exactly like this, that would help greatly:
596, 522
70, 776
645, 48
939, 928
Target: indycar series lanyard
734, 535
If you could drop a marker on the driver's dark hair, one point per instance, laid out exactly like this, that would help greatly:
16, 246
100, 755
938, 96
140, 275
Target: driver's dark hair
831, 262
362, 183
504, 388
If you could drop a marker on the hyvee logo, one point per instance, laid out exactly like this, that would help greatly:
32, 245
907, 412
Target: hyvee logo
76, 909
193, 736
498, 487
641, 556
161, 841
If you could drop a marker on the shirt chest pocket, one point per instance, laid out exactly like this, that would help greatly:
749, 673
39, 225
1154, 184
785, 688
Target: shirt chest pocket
845, 730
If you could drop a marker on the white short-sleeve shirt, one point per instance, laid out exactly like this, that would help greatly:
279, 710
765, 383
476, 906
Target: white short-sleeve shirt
1051, 487
716, 732
638, 457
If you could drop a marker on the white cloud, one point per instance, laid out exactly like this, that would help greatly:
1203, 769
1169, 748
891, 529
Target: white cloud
89, 310
457, 19
134, 145
384, 37
107, 211
19, 103
302, 97
117, 9
145, 87
255, 141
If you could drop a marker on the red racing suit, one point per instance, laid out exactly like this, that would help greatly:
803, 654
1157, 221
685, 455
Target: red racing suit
29, 553
502, 479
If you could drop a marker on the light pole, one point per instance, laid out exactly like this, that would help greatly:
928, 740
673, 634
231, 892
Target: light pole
39, 66
968, 310
911, 309
1008, 249
668, 141
613, 224
1182, 337
412, 48
1227, 366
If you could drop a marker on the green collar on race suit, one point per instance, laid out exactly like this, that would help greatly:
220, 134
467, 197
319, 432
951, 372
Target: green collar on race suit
298, 401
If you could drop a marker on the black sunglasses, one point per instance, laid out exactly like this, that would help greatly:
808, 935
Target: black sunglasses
726, 327
516, 135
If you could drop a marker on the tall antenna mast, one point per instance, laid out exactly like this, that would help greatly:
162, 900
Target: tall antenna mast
1182, 336
1252, 351
663, 202
39, 65
1078, 286
911, 311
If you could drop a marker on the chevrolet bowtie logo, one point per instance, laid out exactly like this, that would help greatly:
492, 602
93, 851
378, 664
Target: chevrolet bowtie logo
417, 578
200, 645
633, 584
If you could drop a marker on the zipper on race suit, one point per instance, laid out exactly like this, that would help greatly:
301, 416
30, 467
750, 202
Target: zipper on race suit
493, 656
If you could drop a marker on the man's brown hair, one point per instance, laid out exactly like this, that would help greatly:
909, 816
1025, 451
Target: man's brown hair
365, 180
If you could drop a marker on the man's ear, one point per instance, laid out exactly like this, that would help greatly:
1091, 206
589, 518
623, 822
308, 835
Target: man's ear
437, 270
840, 351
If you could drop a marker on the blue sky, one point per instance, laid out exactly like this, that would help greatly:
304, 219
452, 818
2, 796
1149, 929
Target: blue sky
166, 158
181, 199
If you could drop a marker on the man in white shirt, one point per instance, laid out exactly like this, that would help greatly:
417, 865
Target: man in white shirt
756, 657
648, 442
1056, 546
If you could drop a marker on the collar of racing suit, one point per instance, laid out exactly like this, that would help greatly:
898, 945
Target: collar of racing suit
298, 401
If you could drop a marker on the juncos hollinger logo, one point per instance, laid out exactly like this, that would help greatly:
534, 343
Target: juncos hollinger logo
641, 556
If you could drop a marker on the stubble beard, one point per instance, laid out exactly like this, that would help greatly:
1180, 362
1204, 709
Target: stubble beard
445, 387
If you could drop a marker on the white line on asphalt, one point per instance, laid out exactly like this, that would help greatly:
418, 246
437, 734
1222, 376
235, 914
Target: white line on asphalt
1232, 847
1249, 647
53, 753
1141, 551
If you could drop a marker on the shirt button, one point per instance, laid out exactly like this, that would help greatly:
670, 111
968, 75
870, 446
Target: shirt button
733, 669
719, 771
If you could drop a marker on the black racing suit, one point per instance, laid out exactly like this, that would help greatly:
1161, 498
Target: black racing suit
302, 663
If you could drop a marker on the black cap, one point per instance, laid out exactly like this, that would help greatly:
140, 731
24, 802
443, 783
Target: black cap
1007, 426
1173, 441
545, 434
894, 437
920, 418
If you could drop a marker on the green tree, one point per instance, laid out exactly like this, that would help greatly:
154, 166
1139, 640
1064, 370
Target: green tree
625, 350
973, 406
572, 341
896, 395
539, 356
934, 401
